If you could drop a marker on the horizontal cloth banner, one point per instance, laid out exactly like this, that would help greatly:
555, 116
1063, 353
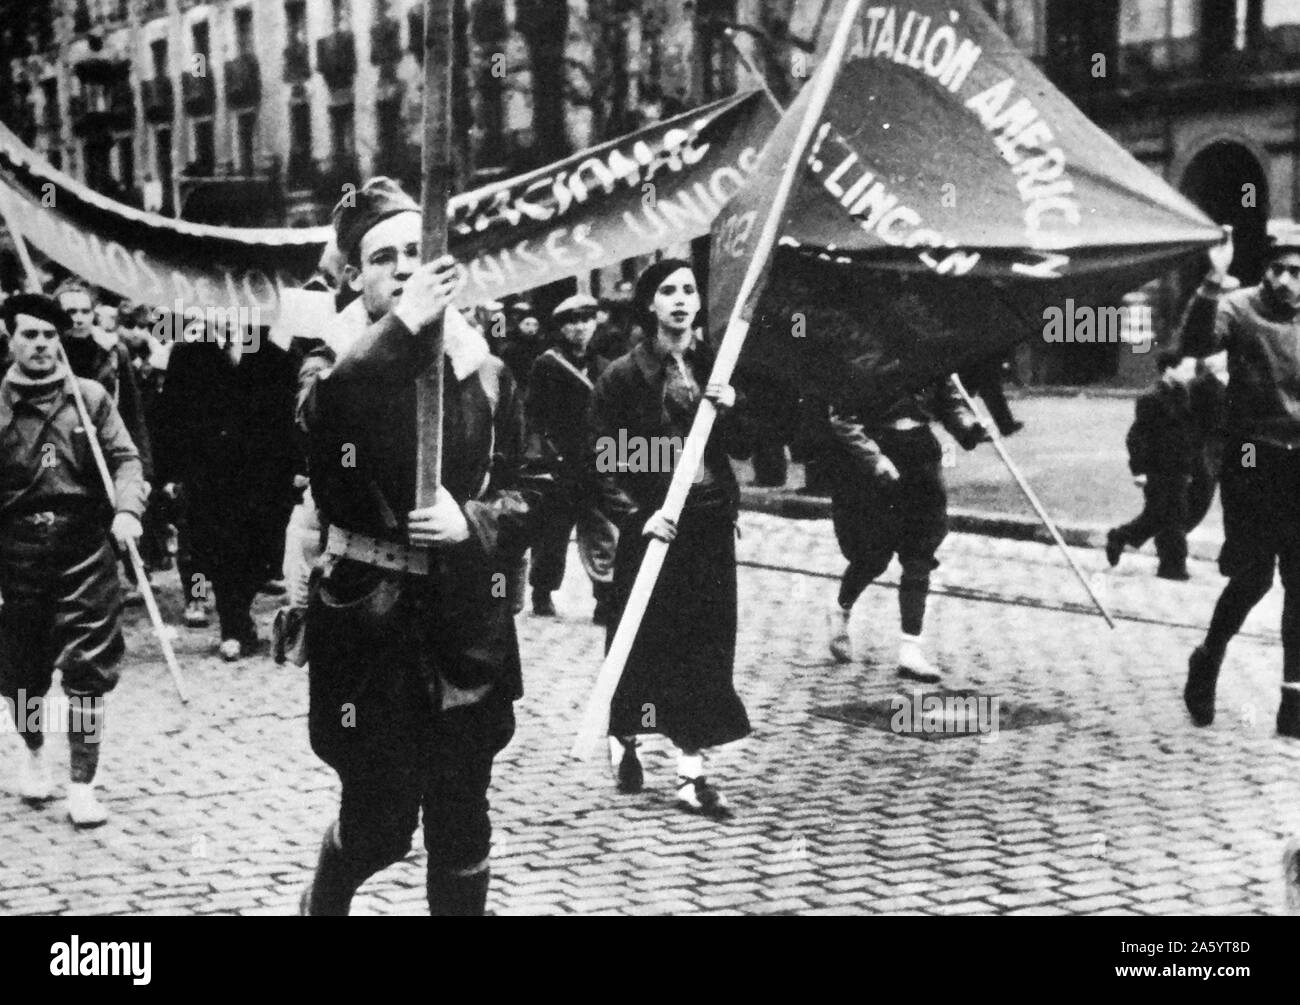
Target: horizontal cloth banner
630, 196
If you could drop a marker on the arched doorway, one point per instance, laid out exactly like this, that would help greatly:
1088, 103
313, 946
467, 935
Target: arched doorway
1227, 182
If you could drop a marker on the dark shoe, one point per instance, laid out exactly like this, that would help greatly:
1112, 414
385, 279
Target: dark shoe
1114, 547
329, 894
132, 597
543, 606
1198, 695
273, 588
1011, 428
1288, 714
1178, 573
631, 779
454, 896
698, 796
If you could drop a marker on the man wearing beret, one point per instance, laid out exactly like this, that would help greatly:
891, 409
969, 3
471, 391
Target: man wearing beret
414, 662
1259, 326
558, 397
58, 575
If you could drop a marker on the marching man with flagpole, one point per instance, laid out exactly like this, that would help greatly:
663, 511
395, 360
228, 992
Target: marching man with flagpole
58, 574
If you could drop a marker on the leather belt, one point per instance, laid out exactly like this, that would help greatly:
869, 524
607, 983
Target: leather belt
388, 555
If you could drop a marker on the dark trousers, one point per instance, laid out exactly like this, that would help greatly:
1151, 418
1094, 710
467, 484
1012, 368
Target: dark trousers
441, 765
597, 541
1261, 522
1200, 494
1164, 517
231, 544
61, 611
873, 523
995, 399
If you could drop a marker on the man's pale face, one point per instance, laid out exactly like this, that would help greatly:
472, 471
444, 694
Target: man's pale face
81, 309
529, 327
578, 333
1283, 277
34, 346
389, 254
106, 317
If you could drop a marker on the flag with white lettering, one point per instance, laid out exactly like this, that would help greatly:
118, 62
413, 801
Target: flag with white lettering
950, 196
629, 196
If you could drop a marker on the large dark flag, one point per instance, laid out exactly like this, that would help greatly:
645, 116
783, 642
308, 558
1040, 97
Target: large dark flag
948, 196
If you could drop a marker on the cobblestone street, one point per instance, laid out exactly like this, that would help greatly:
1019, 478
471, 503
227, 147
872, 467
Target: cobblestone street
1122, 807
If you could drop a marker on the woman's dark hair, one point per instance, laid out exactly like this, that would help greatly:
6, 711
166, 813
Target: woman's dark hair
646, 286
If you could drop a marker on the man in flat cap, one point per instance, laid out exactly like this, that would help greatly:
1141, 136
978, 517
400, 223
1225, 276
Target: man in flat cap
414, 662
558, 397
58, 575
1259, 326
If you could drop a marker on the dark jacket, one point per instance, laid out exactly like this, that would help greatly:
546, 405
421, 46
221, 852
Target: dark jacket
111, 367
627, 402
361, 422
36, 425
559, 395
1163, 438
856, 452
1263, 343
226, 432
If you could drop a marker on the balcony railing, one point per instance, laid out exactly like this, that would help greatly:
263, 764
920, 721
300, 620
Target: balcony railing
336, 58
159, 99
113, 109
297, 63
243, 81
198, 94
1162, 62
386, 42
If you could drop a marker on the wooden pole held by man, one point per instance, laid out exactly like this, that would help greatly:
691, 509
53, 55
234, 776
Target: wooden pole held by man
437, 172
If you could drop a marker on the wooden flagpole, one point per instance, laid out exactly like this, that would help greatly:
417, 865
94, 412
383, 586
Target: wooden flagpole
1032, 496
435, 192
595, 721
92, 436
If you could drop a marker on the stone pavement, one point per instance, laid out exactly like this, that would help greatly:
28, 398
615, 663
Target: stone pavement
1122, 808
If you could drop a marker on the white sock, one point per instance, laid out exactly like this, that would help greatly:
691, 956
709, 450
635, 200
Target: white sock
690, 765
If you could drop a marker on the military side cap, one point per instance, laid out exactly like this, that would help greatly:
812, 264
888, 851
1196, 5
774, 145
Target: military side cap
371, 204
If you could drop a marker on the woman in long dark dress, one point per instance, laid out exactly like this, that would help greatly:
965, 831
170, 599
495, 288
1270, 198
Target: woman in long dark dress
678, 678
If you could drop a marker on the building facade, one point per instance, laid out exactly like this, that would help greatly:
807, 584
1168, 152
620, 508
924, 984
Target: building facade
1203, 92
256, 112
